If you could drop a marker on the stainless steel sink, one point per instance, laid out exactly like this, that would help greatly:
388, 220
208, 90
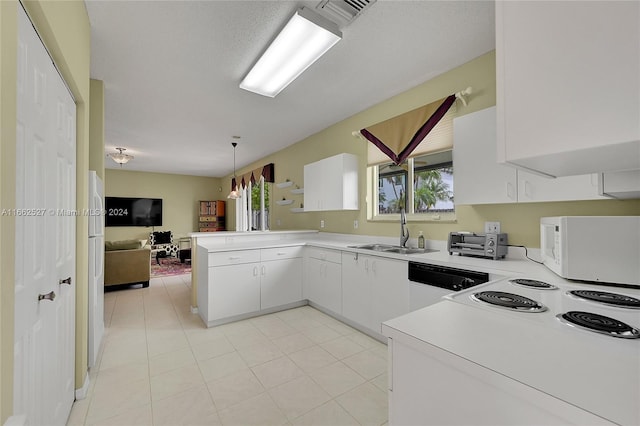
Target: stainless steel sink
388, 248
374, 247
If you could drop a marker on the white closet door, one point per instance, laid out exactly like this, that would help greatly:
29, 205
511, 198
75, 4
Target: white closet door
44, 347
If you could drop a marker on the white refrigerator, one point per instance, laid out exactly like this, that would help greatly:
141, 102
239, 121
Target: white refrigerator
96, 266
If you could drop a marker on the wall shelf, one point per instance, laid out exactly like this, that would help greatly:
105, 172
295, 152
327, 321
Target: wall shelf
297, 191
284, 202
284, 184
297, 210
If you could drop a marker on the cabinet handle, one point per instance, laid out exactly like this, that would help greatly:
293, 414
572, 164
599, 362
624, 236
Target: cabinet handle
255, 271
280, 253
234, 257
527, 189
49, 296
65, 281
373, 266
263, 270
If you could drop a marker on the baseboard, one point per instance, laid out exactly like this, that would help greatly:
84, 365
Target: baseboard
84, 390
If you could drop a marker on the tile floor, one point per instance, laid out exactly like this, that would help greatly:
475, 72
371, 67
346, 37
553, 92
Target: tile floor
159, 365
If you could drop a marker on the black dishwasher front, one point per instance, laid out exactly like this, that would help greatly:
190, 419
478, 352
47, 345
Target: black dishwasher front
453, 279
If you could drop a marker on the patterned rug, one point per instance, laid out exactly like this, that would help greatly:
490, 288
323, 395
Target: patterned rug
169, 266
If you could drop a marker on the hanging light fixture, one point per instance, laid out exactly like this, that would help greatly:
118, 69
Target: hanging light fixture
234, 195
120, 157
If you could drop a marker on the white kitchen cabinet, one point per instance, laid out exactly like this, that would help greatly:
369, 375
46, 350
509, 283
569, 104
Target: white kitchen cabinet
235, 290
331, 184
357, 288
280, 276
479, 179
242, 282
374, 289
568, 79
623, 185
323, 280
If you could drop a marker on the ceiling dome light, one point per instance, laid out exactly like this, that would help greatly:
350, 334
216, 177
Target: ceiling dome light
120, 157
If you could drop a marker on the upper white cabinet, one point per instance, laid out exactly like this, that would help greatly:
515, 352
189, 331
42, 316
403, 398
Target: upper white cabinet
621, 185
568, 85
479, 179
331, 184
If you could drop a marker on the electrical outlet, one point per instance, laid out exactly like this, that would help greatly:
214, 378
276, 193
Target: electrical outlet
355, 224
322, 224
492, 227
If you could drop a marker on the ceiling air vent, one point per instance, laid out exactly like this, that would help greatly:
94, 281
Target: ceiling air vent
343, 12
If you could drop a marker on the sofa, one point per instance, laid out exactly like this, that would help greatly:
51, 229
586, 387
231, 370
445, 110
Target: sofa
126, 265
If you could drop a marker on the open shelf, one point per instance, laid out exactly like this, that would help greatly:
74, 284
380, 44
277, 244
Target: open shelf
284, 184
284, 202
297, 191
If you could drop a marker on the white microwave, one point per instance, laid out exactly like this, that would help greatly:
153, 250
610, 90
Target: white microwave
602, 249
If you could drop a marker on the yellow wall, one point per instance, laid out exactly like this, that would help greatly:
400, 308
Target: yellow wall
519, 221
64, 28
180, 195
96, 120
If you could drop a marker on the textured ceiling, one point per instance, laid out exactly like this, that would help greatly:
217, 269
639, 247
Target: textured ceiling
171, 71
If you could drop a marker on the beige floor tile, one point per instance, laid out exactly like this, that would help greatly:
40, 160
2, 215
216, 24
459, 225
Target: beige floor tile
381, 350
212, 348
234, 388
275, 328
341, 328
238, 327
175, 381
165, 340
293, 343
299, 396
259, 410
138, 416
364, 340
247, 338
118, 355
321, 334
171, 361
341, 347
260, 353
220, 366
78, 413
330, 413
201, 334
290, 314
192, 407
312, 358
381, 382
337, 378
277, 372
304, 323
119, 375
366, 403
117, 398
367, 364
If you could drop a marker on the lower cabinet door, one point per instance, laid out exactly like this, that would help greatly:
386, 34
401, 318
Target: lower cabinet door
389, 291
234, 290
281, 282
356, 288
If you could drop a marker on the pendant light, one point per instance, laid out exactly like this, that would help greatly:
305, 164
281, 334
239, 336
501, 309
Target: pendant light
120, 157
234, 195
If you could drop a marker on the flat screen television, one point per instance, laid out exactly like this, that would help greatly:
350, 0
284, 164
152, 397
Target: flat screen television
122, 211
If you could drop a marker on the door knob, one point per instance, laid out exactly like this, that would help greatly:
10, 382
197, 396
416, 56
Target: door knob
65, 281
49, 296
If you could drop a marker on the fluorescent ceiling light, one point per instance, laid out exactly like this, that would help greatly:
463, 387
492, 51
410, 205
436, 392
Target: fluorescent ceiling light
305, 38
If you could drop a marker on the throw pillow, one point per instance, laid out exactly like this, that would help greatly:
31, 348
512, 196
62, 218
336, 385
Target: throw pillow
163, 237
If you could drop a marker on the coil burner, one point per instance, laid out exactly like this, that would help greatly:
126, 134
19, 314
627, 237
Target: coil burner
599, 324
606, 298
510, 301
540, 285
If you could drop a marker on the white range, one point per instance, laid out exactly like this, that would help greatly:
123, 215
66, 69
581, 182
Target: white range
467, 360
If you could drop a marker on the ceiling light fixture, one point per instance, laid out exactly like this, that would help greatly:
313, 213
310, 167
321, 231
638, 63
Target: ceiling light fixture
234, 195
305, 38
120, 157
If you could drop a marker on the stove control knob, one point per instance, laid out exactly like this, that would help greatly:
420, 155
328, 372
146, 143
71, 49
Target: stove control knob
491, 242
489, 250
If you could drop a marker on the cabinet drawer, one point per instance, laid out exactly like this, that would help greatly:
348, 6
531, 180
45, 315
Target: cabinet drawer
234, 257
334, 256
280, 253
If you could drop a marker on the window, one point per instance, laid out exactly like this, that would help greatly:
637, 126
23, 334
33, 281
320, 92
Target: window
431, 193
252, 208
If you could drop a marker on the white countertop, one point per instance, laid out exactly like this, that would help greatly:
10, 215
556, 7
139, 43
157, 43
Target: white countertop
597, 373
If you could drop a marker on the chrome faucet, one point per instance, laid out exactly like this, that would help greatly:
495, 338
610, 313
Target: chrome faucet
404, 232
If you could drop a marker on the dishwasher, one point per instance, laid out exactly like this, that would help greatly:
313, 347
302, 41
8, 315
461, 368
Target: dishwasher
428, 283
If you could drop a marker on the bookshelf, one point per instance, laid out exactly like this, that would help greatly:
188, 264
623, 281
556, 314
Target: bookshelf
211, 216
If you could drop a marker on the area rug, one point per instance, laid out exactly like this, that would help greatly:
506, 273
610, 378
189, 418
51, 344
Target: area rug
169, 266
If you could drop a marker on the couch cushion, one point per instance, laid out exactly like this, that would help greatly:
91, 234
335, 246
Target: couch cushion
122, 245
